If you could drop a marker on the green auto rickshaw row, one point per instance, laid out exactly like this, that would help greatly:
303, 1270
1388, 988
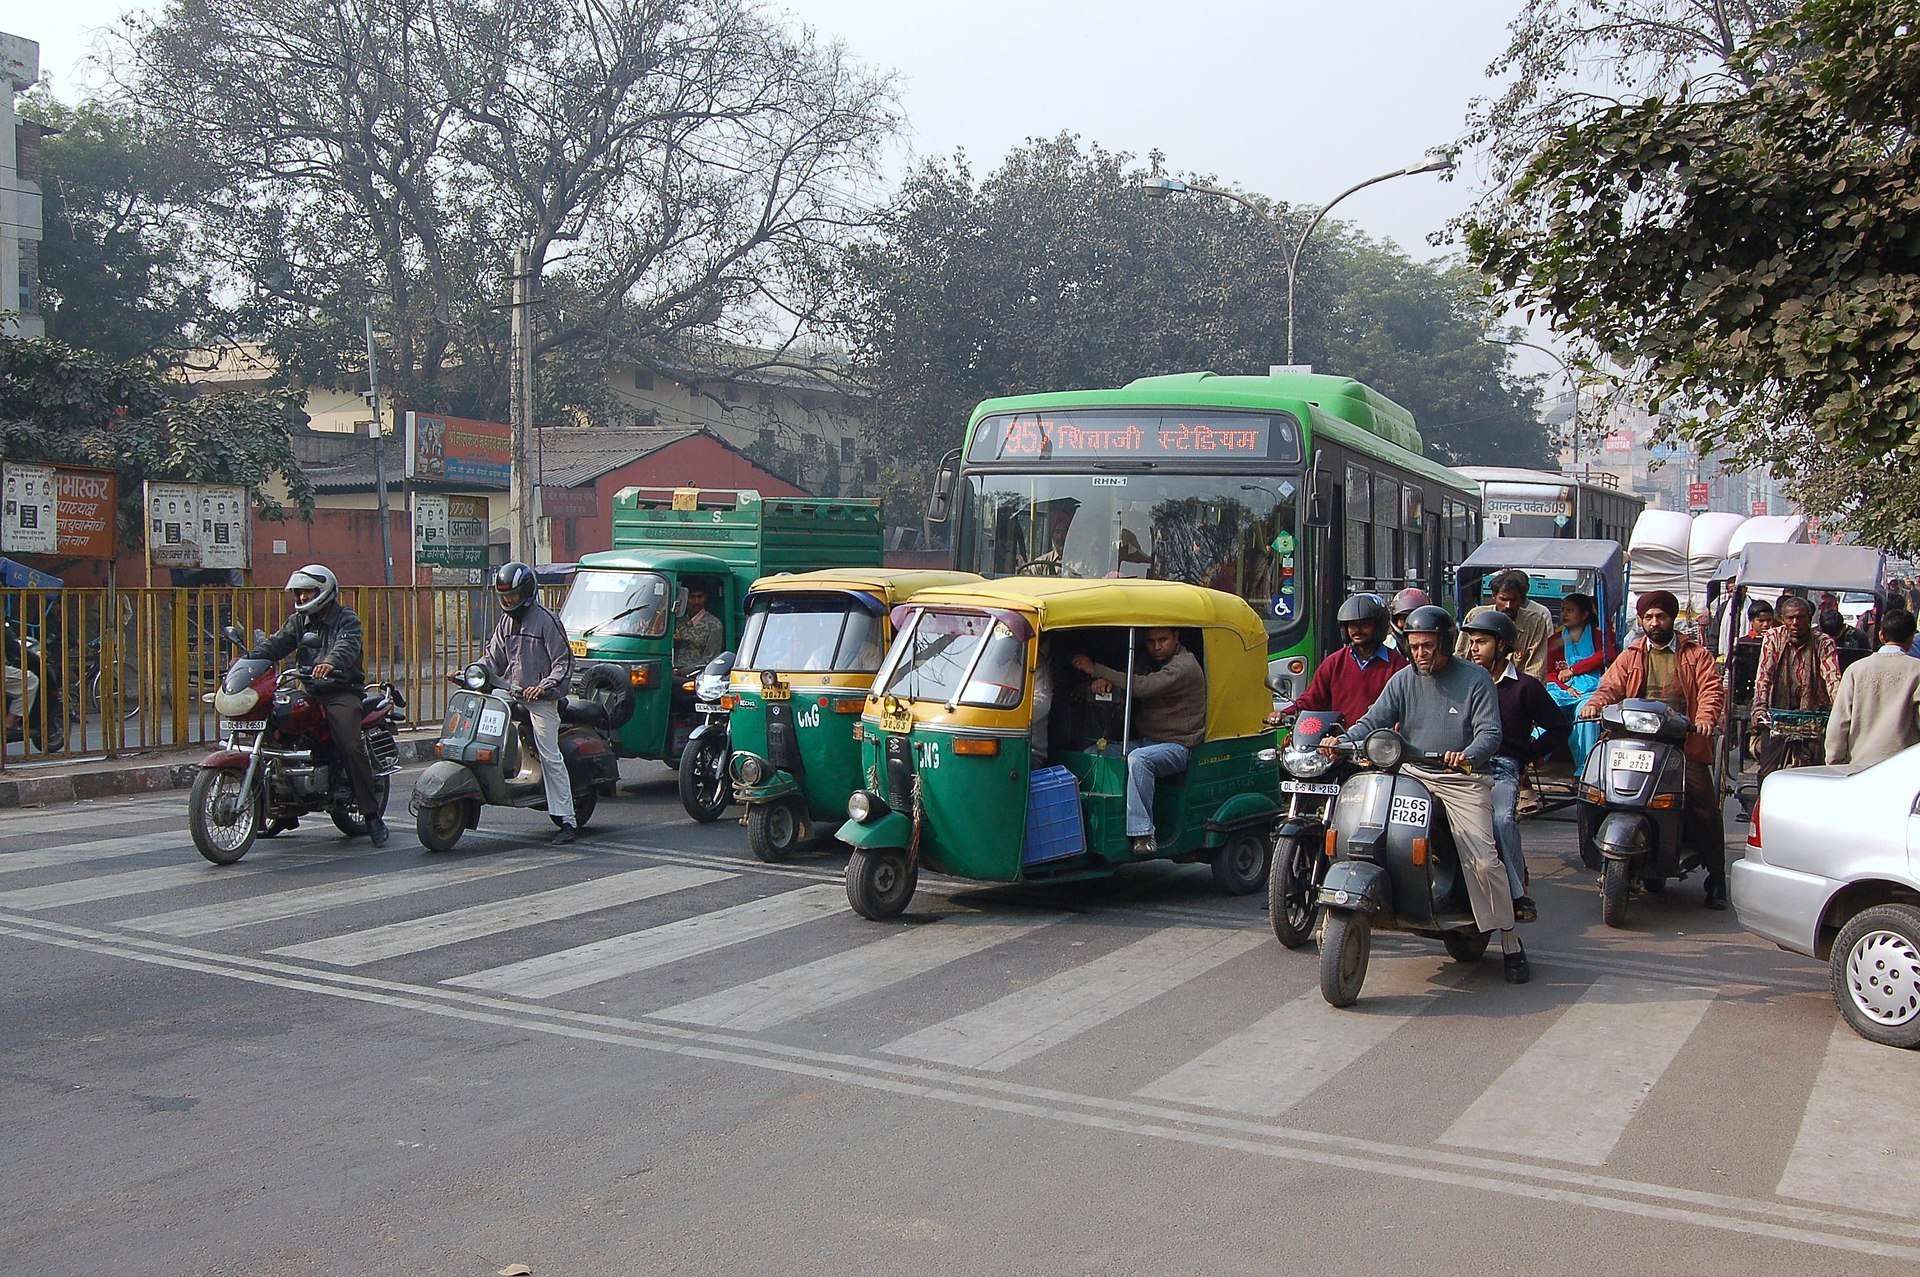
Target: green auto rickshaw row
936, 719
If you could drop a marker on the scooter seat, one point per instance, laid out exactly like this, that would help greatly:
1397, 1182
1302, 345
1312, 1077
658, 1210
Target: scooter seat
587, 712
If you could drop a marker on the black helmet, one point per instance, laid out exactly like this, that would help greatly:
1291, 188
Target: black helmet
1493, 622
1362, 607
1430, 620
516, 586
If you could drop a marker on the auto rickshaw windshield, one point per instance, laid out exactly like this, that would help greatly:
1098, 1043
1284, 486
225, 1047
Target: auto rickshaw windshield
958, 657
812, 636
629, 604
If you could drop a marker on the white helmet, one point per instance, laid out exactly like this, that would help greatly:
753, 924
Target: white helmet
314, 576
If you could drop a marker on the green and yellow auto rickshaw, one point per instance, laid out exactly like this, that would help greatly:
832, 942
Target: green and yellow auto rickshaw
811, 645
988, 755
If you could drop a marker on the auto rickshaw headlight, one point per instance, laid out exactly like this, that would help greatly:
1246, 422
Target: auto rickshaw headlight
750, 769
1385, 749
864, 807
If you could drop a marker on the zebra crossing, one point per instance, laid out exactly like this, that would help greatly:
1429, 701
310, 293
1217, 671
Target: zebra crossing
1566, 1094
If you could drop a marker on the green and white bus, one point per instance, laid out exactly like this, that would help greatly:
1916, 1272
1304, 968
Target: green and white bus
1292, 490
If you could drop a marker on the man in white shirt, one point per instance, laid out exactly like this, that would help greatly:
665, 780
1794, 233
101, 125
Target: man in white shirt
1876, 708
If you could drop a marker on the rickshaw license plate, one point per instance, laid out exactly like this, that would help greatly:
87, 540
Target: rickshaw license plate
1326, 788
775, 692
900, 724
1634, 760
577, 646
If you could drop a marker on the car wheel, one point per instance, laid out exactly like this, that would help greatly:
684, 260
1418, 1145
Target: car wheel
1875, 972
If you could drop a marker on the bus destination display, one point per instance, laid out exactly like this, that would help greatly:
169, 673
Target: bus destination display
1144, 436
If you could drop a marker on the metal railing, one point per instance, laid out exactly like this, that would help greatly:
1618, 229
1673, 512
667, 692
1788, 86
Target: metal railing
124, 671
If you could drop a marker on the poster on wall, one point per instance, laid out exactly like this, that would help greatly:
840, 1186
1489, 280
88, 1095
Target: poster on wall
450, 532
28, 519
173, 525
459, 450
224, 519
430, 530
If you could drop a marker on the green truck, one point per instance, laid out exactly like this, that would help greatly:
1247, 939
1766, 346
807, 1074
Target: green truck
628, 606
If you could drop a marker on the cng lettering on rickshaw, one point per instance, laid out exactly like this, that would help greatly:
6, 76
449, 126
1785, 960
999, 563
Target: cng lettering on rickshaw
926, 755
809, 717
1409, 809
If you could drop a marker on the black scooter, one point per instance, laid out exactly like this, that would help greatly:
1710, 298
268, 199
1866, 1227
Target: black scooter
487, 757
1632, 799
1311, 785
44, 725
1395, 868
706, 785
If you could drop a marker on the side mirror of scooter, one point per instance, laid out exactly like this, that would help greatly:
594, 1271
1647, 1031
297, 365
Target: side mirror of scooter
233, 634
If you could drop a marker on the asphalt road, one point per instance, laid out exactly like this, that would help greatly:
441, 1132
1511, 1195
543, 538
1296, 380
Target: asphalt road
649, 1053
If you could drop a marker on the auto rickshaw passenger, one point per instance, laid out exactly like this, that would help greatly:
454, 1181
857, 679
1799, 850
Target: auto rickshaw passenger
1578, 653
1532, 623
1169, 719
1759, 619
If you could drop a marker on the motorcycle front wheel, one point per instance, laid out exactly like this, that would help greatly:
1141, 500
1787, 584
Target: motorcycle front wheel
1293, 886
705, 788
224, 822
1344, 951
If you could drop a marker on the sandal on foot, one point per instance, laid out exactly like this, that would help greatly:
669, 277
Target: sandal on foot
1524, 909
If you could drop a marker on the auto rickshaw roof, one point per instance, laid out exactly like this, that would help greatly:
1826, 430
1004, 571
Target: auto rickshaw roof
1546, 554
1860, 568
1070, 603
664, 560
889, 585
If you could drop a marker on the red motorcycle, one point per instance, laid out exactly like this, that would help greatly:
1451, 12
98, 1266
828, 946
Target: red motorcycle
278, 761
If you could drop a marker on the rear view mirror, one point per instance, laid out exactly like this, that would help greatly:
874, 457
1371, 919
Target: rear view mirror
680, 601
939, 502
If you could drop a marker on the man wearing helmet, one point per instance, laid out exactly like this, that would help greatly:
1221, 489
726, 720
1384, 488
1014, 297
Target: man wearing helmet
528, 651
1532, 726
1448, 707
1350, 681
340, 684
1400, 609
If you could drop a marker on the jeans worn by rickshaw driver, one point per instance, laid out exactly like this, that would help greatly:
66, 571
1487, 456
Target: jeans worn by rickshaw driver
1169, 719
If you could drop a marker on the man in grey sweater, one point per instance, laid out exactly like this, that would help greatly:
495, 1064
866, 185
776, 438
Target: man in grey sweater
1441, 705
528, 650
1169, 719
1876, 709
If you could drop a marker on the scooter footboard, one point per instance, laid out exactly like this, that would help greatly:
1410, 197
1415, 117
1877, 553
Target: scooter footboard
1357, 884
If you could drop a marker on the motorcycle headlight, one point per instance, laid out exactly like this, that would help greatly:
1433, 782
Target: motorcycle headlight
864, 807
1307, 763
1640, 722
710, 687
234, 704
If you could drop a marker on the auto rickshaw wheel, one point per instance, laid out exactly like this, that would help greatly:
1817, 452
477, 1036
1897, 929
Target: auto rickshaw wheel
1344, 951
774, 829
880, 883
1466, 946
1292, 890
1613, 893
1240, 866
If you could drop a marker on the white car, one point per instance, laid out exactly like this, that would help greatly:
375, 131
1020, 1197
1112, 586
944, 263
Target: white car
1833, 871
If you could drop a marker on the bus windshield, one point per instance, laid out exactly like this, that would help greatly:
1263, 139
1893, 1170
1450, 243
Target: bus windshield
1230, 532
811, 635
961, 657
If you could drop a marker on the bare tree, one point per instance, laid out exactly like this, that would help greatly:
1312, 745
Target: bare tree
677, 165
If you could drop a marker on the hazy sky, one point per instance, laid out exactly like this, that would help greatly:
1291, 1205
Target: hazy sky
1291, 99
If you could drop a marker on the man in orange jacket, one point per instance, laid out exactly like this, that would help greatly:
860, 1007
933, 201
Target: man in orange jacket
1662, 665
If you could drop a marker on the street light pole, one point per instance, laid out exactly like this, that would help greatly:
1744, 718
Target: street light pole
1573, 384
1158, 184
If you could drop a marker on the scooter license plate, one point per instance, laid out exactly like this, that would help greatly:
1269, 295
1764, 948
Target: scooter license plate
1325, 788
247, 725
1633, 760
1408, 809
493, 721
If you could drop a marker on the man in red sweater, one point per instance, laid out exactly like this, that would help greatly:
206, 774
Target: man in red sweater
1349, 682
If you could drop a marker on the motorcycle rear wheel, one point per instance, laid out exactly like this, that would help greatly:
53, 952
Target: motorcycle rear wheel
1344, 951
349, 821
220, 834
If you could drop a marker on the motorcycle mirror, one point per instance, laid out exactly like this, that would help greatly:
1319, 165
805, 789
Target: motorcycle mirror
721, 665
233, 634
680, 601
